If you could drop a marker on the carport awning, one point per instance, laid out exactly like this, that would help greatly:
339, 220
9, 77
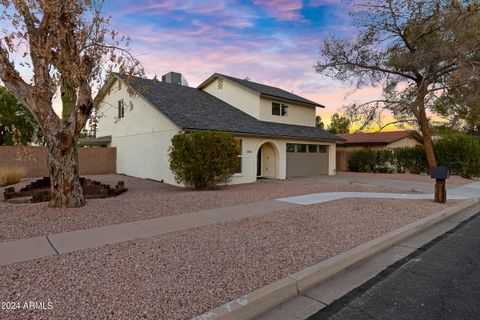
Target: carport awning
94, 142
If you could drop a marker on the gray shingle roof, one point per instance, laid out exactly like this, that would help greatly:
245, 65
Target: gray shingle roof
265, 90
194, 109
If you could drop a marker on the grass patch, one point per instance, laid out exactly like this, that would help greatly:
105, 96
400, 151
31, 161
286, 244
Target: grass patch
11, 175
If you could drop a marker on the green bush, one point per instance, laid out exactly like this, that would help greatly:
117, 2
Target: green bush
361, 161
203, 159
383, 161
412, 160
368, 160
461, 153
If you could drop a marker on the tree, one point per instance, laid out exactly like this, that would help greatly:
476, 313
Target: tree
461, 103
339, 124
17, 125
409, 47
93, 123
319, 123
462, 108
203, 159
66, 45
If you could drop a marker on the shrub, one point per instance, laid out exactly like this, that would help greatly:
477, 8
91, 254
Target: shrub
383, 161
412, 160
361, 161
11, 175
368, 160
203, 159
461, 153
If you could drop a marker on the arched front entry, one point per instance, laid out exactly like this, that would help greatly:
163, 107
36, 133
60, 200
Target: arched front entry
267, 161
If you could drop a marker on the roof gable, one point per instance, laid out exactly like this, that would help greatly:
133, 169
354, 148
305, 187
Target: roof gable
194, 109
263, 90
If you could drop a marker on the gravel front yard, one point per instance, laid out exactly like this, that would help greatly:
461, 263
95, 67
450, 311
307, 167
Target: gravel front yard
452, 181
147, 200
182, 274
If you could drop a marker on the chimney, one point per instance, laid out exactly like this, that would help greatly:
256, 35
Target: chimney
172, 77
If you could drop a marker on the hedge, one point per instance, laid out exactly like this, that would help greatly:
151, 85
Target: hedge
371, 161
459, 152
411, 160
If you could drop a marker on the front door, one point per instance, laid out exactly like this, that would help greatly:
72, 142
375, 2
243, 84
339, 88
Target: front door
259, 162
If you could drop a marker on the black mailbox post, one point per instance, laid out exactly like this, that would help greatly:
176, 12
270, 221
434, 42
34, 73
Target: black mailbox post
440, 174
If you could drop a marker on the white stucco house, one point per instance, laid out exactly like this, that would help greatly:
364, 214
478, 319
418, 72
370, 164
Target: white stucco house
274, 128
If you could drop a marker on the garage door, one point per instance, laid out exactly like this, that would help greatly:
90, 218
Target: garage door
306, 160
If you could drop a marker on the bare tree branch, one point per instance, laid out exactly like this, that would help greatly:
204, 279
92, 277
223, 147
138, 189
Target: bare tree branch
396, 122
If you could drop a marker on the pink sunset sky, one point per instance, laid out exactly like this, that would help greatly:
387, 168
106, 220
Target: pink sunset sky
275, 42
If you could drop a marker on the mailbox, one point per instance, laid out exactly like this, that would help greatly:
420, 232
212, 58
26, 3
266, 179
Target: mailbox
440, 173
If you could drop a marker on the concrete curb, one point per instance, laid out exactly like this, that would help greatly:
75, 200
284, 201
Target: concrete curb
263, 299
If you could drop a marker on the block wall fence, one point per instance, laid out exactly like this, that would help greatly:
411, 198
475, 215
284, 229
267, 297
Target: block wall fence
92, 160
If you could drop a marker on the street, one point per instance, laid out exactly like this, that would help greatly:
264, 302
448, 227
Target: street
438, 281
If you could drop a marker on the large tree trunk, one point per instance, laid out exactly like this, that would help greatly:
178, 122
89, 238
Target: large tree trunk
69, 99
427, 137
65, 182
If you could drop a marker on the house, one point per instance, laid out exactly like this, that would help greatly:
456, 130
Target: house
275, 129
375, 140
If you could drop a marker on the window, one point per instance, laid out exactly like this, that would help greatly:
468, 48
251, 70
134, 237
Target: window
290, 147
275, 109
121, 109
312, 148
279, 109
322, 149
302, 148
238, 167
220, 83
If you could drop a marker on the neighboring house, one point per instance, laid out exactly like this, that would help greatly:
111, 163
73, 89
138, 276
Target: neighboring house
376, 140
274, 128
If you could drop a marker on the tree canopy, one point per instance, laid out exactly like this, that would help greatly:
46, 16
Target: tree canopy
416, 50
339, 124
67, 46
17, 124
319, 123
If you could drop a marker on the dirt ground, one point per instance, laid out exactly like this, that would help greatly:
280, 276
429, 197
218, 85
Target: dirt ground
148, 199
182, 274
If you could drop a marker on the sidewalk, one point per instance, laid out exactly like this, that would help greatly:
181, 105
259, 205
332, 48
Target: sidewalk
59, 243
438, 282
331, 295
38, 247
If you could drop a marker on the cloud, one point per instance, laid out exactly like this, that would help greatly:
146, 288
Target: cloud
319, 3
259, 39
282, 9
228, 12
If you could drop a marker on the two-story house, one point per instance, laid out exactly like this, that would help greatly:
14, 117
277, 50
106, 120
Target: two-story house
275, 129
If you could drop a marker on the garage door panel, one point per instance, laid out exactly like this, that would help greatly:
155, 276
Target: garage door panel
306, 164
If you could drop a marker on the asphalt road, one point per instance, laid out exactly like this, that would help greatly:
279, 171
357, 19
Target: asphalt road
439, 281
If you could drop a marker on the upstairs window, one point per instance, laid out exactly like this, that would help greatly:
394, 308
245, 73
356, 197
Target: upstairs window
121, 109
279, 109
